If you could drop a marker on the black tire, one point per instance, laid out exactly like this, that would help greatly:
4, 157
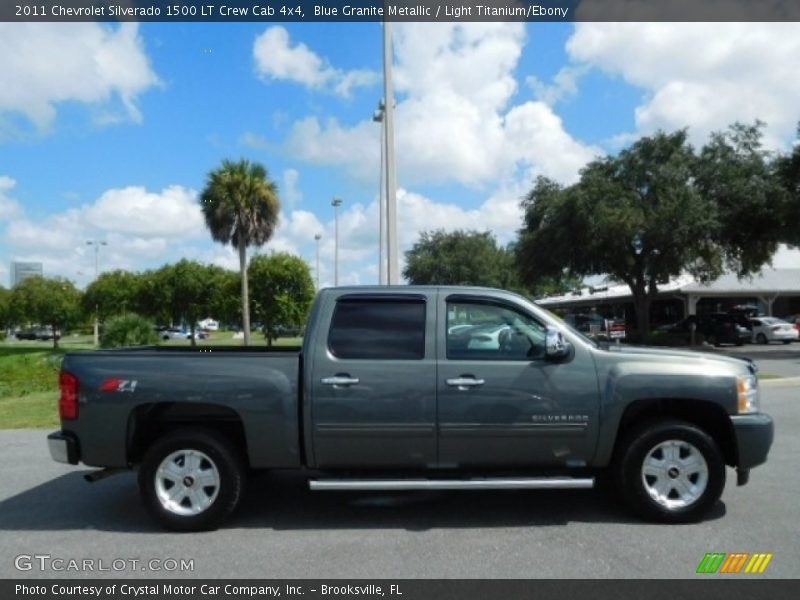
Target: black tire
787, 341
761, 338
218, 459
712, 339
635, 486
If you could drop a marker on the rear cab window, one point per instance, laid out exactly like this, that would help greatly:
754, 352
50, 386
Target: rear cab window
390, 328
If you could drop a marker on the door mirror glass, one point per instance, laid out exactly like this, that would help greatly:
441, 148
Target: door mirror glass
555, 346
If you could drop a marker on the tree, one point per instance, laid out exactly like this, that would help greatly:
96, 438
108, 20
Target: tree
54, 302
112, 293
741, 180
5, 308
189, 289
637, 217
282, 292
788, 169
224, 303
460, 258
129, 329
153, 295
241, 206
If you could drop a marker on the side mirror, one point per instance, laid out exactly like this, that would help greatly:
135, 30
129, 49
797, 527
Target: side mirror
555, 346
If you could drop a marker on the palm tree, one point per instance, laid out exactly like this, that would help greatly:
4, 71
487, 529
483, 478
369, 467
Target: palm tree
241, 205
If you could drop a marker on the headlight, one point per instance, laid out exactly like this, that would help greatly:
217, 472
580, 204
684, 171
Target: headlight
747, 388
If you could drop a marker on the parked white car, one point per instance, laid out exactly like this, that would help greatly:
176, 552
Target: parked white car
772, 329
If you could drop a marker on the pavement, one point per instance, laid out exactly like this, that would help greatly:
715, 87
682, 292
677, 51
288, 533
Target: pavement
285, 531
775, 359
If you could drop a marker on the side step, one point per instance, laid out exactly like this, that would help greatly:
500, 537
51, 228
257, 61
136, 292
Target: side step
512, 483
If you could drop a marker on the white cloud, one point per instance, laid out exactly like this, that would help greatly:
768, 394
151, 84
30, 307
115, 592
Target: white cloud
455, 121
276, 58
701, 75
45, 64
564, 85
290, 192
9, 208
139, 227
174, 212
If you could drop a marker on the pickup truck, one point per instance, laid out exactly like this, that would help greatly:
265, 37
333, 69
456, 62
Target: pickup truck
408, 388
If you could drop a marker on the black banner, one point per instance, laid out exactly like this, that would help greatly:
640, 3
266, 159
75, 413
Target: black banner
400, 589
400, 10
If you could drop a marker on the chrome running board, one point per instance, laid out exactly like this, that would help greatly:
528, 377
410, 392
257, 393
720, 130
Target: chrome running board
512, 483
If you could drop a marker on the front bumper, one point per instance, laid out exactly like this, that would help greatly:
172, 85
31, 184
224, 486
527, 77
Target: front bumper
754, 434
63, 448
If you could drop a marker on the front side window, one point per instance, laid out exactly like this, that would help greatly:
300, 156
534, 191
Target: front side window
378, 329
492, 332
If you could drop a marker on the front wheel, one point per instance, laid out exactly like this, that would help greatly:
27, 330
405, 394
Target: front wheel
670, 471
761, 338
191, 480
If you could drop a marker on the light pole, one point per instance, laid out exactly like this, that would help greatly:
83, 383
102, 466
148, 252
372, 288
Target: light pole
393, 268
317, 238
377, 117
336, 203
96, 244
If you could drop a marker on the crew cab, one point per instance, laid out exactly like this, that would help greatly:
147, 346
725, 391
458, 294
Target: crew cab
406, 388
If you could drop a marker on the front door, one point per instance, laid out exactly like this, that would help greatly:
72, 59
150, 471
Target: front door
501, 403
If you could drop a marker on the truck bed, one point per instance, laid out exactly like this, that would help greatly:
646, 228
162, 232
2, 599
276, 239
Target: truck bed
122, 389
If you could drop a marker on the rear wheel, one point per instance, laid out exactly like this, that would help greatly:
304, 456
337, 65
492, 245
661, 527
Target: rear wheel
670, 471
191, 480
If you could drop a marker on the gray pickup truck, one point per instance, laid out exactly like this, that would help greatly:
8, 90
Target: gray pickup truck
408, 388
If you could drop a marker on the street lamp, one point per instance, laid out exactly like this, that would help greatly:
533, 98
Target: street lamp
393, 269
377, 117
336, 203
317, 238
96, 244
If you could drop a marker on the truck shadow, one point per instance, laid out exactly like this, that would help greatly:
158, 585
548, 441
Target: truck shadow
282, 501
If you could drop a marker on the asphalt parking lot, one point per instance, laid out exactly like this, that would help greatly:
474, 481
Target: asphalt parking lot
775, 359
285, 531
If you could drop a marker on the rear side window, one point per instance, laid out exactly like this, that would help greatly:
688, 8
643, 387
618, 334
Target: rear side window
378, 329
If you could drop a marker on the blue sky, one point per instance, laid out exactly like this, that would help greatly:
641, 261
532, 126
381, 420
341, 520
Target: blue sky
108, 132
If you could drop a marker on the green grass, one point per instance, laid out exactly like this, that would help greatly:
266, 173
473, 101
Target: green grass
28, 385
36, 410
770, 376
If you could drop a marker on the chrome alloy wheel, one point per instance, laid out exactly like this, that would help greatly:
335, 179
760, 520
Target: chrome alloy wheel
187, 482
675, 474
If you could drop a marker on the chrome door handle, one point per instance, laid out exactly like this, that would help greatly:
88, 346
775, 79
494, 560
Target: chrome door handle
464, 383
339, 380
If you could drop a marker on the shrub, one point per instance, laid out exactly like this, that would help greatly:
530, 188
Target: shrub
128, 330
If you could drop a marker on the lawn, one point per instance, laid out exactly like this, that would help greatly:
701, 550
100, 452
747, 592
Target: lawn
29, 375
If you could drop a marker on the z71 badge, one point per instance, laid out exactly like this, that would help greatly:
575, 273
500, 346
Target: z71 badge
118, 385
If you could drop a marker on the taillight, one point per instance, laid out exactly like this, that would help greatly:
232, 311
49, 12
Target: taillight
68, 401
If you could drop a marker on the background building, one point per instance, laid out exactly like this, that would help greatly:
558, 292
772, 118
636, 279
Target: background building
23, 270
772, 292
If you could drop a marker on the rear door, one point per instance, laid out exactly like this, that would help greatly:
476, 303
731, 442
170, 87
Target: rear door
373, 382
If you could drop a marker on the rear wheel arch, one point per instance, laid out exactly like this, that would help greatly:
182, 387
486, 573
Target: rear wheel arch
149, 422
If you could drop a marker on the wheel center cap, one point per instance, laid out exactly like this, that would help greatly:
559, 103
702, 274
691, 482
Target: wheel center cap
673, 472
188, 481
